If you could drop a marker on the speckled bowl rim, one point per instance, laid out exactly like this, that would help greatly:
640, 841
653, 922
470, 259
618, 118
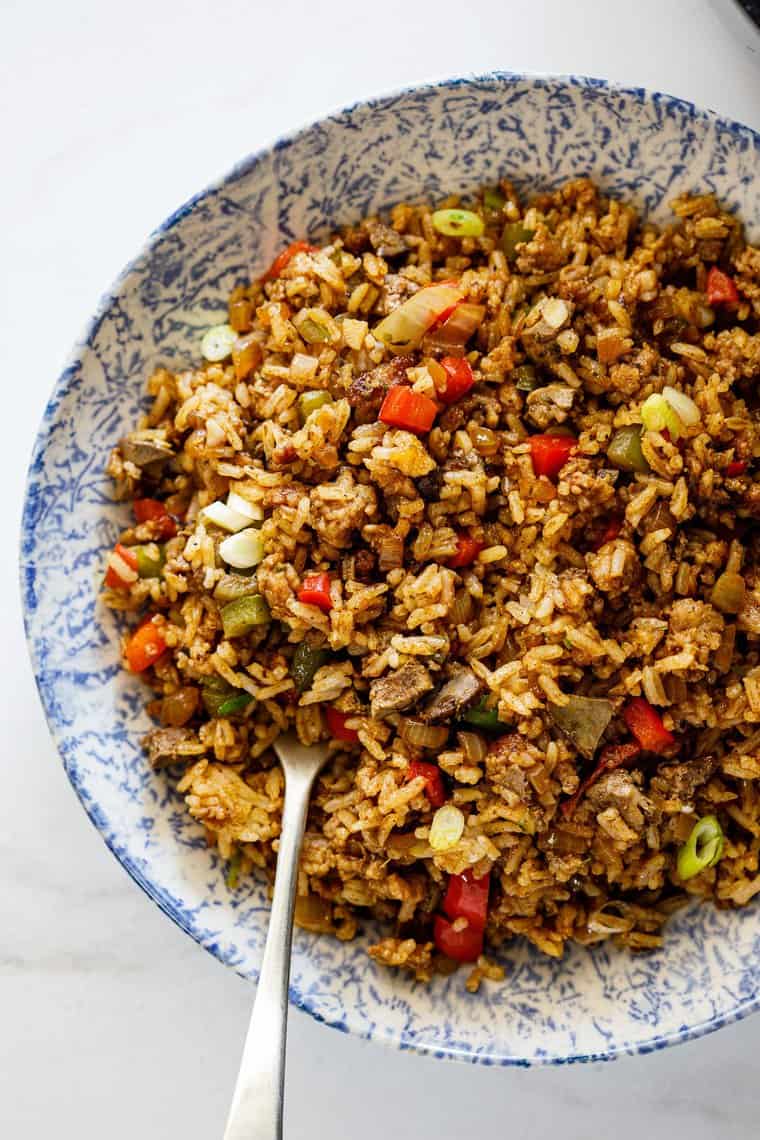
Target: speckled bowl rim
403, 1040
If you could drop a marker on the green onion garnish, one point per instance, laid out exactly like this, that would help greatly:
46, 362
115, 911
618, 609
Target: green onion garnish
458, 223
218, 342
702, 849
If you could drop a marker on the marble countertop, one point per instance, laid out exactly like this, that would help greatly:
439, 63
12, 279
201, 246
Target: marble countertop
113, 1023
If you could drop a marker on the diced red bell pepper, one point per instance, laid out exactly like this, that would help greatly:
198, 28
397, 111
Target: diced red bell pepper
151, 510
468, 549
721, 289
146, 645
736, 467
646, 725
461, 945
121, 572
431, 774
611, 757
467, 897
459, 379
403, 408
315, 591
336, 725
550, 453
611, 531
287, 255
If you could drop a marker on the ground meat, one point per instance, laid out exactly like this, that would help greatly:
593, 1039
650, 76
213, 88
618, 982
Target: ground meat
457, 694
694, 627
340, 508
614, 567
385, 241
287, 495
367, 390
457, 414
617, 790
659, 518
148, 450
549, 405
543, 253
508, 761
429, 486
364, 565
163, 746
399, 690
680, 781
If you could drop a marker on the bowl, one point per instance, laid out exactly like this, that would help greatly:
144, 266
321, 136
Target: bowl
427, 141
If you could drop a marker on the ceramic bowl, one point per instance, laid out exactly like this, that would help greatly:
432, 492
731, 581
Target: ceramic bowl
420, 143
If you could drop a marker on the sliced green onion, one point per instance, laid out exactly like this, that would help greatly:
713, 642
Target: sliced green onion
218, 343
514, 234
233, 870
223, 516
702, 849
150, 560
657, 415
308, 402
235, 704
525, 378
625, 451
312, 332
683, 405
306, 660
493, 199
244, 614
252, 511
727, 593
458, 223
446, 828
483, 717
243, 550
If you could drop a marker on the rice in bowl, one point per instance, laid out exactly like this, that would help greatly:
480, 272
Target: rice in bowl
497, 544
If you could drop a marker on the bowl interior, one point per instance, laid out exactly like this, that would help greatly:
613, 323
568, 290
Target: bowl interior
422, 143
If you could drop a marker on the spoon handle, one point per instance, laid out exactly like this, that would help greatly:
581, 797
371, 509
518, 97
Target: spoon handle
256, 1110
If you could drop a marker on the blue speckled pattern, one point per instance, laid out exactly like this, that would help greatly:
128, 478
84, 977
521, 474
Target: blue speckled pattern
420, 143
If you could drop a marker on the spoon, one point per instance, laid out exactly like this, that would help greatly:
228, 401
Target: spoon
256, 1110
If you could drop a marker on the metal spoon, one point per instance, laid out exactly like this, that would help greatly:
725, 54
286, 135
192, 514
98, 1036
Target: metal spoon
256, 1111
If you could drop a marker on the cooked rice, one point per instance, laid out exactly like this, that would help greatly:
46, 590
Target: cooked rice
553, 606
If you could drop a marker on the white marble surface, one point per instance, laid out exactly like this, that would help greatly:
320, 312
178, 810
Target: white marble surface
113, 1024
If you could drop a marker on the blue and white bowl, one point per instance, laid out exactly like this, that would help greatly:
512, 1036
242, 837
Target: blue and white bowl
421, 143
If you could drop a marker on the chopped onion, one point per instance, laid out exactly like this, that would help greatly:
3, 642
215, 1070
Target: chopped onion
446, 828
421, 735
251, 511
461, 609
313, 914
243, 550
657, 414
683, 405
458, 328
218, 343
728, 593
473, 746
220, 514
390, 552
405, 327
